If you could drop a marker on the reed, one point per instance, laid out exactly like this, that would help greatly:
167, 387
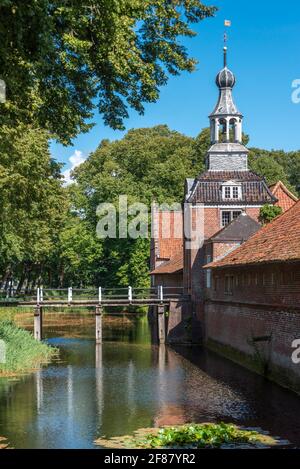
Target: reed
22, 352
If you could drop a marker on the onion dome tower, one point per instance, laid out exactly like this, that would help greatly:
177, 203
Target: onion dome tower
227, 151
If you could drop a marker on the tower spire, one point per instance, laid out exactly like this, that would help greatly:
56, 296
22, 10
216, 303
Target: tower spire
225, 55
227, 24
227, 150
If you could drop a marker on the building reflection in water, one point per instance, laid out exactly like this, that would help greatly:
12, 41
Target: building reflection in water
116, 388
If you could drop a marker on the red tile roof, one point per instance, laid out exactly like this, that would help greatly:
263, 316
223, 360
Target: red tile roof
279, 241
173, 266
285, 198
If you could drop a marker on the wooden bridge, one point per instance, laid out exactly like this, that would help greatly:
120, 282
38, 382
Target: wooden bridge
41, 298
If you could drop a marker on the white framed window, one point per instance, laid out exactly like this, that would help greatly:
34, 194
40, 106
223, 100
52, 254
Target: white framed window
236, 214
229, 215
227, 192
235, 192
226, 217
231, 191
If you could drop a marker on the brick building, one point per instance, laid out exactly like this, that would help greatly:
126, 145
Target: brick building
228, 239
222, 193
252, 308
285, 198
218, 196
226, 198
166, 255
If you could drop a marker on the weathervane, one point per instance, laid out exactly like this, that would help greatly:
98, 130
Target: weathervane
227, 24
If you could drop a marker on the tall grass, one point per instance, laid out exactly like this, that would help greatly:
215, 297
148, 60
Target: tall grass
22, 351
9, 312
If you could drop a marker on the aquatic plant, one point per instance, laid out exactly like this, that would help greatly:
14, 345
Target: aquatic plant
201, 436
205, 435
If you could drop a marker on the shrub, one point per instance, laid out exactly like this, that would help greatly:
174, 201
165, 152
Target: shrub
269, 212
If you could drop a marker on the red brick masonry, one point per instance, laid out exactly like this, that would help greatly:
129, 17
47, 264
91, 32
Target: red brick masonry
252, 310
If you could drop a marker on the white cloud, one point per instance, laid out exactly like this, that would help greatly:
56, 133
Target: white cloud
75, 160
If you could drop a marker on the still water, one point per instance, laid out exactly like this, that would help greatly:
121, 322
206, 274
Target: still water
127, 384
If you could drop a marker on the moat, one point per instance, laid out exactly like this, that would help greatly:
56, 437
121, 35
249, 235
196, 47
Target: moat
127, 384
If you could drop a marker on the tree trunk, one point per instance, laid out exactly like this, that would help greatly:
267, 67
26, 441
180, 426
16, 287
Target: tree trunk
6, 276
22, 278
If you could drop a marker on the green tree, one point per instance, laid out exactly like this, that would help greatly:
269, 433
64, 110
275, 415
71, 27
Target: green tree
146, 165
33, 203
60, 59
269, 212
79, 254
277, 166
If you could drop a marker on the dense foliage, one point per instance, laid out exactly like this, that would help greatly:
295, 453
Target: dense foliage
48, 232
269, 212
22, 351
33, 204
146, 165
62, 58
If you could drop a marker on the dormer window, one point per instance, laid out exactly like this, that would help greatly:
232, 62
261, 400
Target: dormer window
235, 192
231, 191
227, 192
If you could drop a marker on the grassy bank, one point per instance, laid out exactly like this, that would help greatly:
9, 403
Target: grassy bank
22, 352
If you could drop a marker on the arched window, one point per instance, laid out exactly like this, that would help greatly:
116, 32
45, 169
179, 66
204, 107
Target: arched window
223, 131
233, 130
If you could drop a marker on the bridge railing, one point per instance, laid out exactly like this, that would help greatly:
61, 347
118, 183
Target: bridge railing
69, 295
103, 294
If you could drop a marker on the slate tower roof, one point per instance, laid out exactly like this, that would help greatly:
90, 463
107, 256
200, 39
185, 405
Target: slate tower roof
227, 158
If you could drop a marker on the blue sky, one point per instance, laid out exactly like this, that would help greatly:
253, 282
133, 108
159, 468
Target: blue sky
264, 45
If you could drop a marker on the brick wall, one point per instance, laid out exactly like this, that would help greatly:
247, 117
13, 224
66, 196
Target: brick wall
264, 304
194, 259
194, 275
168, 280
211, 222
253, 212
274, 284
233, 330
167, 237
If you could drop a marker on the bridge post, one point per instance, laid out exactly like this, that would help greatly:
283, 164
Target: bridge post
38, 323
161, 293
70, 295
161, 323
130, 294
98, 324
